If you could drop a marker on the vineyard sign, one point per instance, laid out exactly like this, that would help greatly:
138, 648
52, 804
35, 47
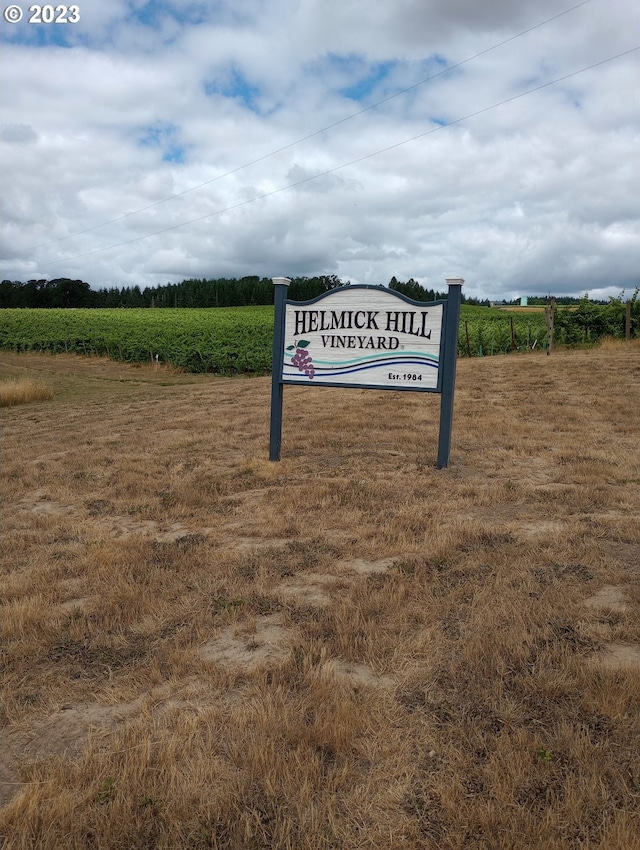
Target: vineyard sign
367, 337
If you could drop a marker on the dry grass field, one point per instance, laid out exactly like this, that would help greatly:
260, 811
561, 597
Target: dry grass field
348, 649
22, 391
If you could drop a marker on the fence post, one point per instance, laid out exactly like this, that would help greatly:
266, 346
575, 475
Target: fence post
275, 432
549, 313
627, 321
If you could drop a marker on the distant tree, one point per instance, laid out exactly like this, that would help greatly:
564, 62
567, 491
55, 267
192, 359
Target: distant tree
475, 302
69, 293
331, 281
412, 289
11, 293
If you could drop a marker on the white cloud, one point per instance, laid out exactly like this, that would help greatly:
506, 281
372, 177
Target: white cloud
141, 101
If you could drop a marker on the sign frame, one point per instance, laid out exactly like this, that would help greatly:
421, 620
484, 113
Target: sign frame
446, 358
367, 335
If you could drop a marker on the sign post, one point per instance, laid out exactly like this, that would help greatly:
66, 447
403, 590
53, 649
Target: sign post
366, 337
275, 435
449, 369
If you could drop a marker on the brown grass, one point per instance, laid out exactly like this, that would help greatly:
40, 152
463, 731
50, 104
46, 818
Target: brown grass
22, 391
349, 649
609, 343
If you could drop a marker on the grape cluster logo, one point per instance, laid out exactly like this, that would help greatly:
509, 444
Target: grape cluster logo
302, 360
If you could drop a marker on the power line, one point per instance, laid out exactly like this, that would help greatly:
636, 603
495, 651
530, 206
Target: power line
346, 164
314, 133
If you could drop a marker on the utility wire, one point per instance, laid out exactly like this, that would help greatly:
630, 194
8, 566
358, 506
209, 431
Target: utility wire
347, 164
314, 133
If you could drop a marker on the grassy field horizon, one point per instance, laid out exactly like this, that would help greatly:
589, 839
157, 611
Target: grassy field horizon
347, 649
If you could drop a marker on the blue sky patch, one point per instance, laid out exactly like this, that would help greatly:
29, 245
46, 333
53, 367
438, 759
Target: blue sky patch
38, 35
352, 75
163, 136
153, 12
237, 87
174, 153
366, 84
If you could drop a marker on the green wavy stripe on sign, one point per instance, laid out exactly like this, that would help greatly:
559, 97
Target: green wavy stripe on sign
379, 356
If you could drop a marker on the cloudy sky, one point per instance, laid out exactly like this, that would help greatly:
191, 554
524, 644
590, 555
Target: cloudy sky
155, 141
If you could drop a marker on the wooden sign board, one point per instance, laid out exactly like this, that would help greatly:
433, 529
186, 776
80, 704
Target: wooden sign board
366, 337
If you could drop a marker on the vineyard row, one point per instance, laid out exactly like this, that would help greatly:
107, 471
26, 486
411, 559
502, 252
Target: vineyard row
238, 339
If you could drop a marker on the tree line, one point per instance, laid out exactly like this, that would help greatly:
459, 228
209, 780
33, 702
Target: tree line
219, 292
415, 290
215, 292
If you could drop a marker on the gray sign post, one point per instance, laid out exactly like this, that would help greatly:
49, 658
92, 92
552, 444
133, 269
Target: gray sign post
275, 435
452, 321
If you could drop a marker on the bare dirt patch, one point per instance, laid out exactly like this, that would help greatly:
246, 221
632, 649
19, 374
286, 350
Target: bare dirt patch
310, 588
538, 529
617, 656
120, 527
367, 568
359, 675
76, 604
46, 507
64, 733
608, 597
248, 646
